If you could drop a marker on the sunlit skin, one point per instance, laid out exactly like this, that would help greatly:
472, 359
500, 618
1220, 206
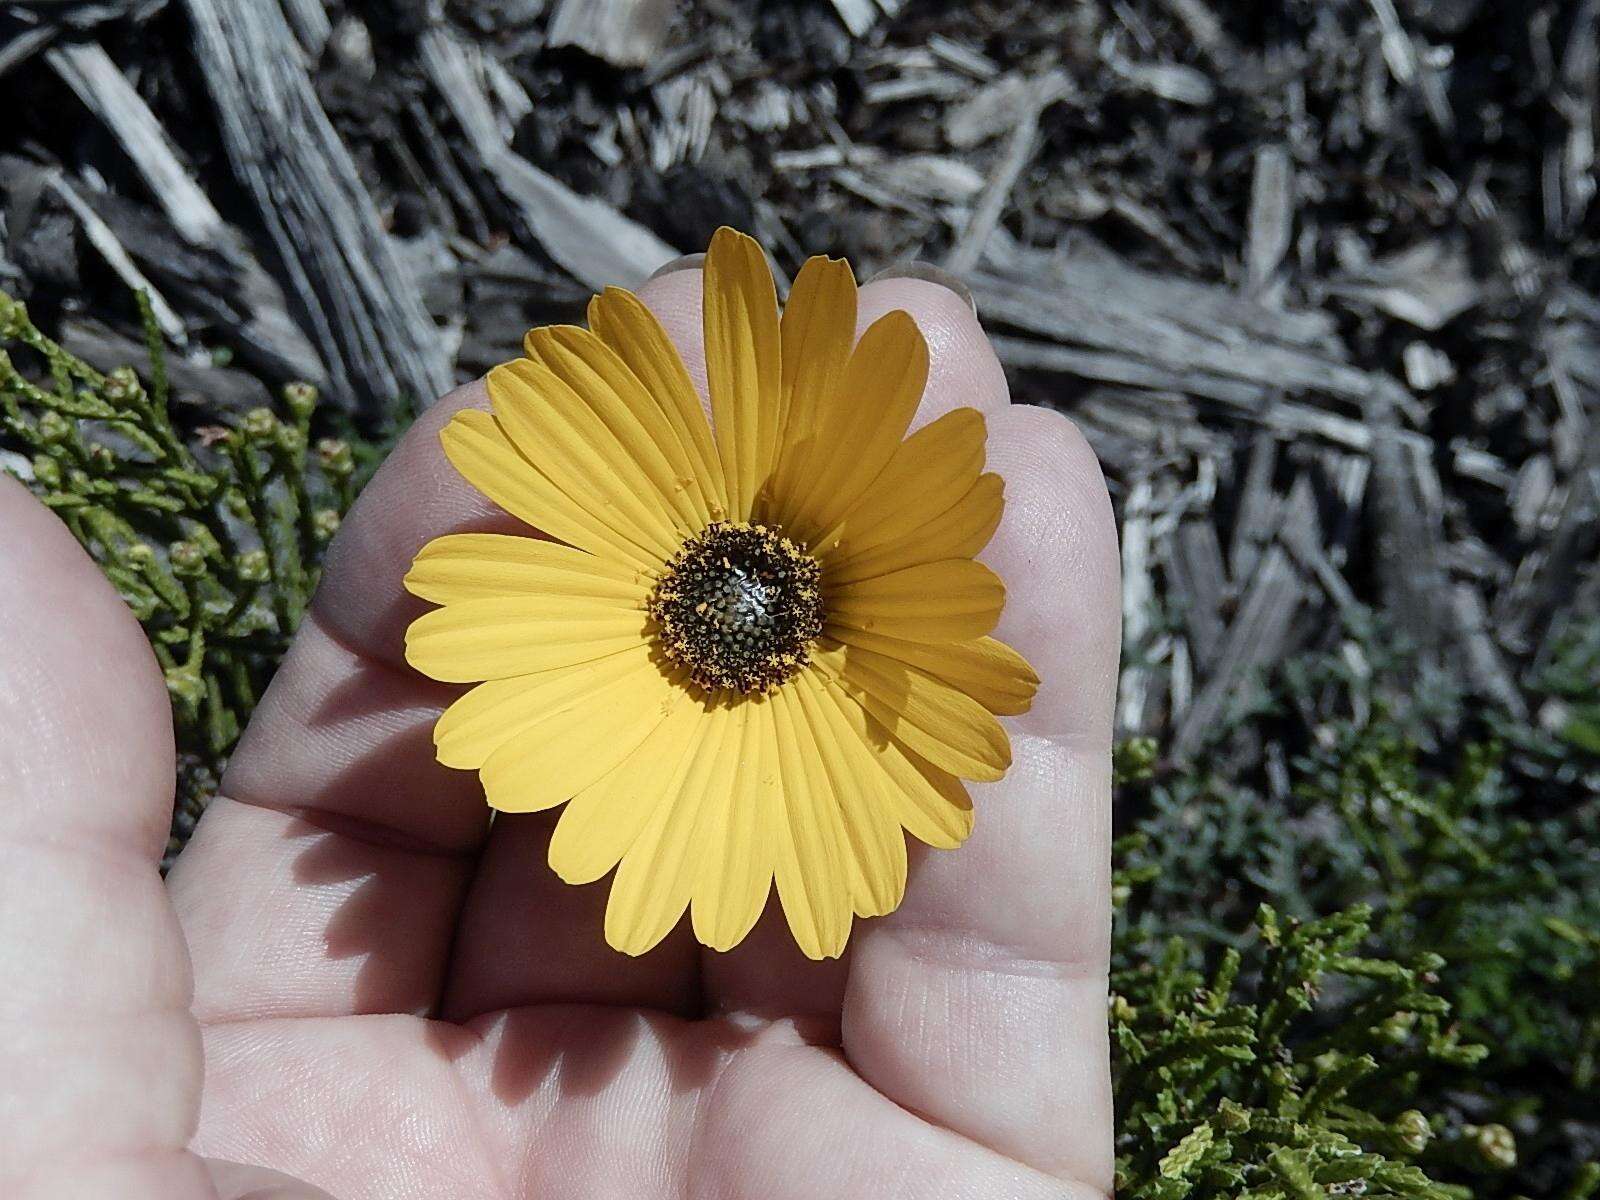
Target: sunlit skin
390, 1000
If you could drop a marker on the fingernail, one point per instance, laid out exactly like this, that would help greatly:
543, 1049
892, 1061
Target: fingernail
686, 262
917, 269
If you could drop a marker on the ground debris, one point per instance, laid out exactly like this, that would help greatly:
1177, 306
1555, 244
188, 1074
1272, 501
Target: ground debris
1320, 285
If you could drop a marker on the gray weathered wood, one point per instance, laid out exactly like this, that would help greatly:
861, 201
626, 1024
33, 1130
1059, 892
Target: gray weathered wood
259, 314
629, 33
1041, 93
366, 317
1270, 220
586, 236
1257, 637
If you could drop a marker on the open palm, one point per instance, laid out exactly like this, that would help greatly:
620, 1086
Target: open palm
396, 1000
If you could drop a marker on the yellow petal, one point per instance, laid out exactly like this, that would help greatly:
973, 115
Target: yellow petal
480, 449
808, 844
927, 475
633, 331
949, 601
477, 566
818, 329
493, 713
743, 368
860, 425
960, 532
518, 635
940, 722
741, 807
931, 804
876, 848
989, 671
578, 742
601, 822
593, 370
657, 876
555, 429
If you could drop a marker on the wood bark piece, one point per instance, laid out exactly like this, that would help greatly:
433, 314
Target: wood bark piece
106, 92
1486, 667
628, 33
1196, 573
1138, 595
596, 243
105, 241
1409, 531
1270, 221
256, 311
309, 20
24, 45
1146, 327
858, 15
365, 315
205, 389
1257, 637
1041, 93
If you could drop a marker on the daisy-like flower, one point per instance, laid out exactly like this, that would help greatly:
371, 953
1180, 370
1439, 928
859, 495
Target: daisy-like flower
743, 652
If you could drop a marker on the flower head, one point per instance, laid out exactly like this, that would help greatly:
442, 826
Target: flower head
744, 652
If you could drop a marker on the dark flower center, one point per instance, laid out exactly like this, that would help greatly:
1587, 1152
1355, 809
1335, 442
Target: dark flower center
739, 606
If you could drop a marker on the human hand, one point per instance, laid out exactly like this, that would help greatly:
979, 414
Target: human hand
396, 1001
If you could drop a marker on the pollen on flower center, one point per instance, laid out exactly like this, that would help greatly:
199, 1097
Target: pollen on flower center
739, 606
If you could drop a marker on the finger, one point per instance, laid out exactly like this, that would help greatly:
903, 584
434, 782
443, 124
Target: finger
767, 974
793, 1122
981, 1002
327, 878
526, 937
99, 1060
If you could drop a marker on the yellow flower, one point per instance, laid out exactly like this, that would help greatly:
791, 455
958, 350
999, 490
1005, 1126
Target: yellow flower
746, 656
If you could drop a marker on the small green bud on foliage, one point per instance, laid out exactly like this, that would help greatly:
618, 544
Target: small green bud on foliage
300, 399
335, 457
122, 385
202, 536
259, 424
14, 321
1413, 1131
46, 472
237, 504
188, 559
1234, 1118
1135, 759
186, 687
54, 428
1495, 1144
254, 566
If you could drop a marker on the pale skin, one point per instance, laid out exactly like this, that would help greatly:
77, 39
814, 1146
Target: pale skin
353, 983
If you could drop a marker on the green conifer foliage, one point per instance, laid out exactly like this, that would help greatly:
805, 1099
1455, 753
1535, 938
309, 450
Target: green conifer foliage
214, 535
